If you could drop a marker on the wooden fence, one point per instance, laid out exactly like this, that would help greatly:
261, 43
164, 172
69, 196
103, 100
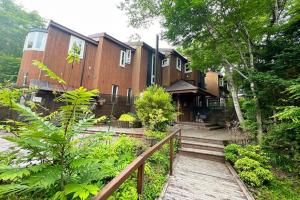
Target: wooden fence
139, 164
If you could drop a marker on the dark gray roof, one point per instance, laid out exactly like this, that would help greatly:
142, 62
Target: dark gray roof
96, 37
143, 44
182, 86
167, 51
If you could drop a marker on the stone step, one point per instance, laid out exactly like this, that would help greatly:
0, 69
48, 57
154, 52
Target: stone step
202, 140
203, 154
203, 124
202, 145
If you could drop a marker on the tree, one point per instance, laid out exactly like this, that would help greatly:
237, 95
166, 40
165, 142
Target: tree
15, 23
154, 108
214, 33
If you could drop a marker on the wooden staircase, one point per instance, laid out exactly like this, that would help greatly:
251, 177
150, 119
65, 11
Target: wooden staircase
203, 148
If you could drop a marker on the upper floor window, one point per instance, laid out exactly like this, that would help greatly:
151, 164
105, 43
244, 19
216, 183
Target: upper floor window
178, 64
129, 96
128, 56
153, 70
122, 58
221, 82
114, 93
76, 45
35, 41
166, 62
187, 68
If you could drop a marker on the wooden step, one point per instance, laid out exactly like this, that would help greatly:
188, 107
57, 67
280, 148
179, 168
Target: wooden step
203, 154
202, 145
202, 140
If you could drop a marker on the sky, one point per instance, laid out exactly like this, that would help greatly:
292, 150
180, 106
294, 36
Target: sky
92, 16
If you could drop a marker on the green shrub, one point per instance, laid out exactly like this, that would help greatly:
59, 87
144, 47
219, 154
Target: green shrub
155, 134
127, 118
246, 164
154, 108
264, 174
232, 152
250, 178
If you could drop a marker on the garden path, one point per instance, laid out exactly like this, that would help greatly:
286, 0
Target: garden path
198, 175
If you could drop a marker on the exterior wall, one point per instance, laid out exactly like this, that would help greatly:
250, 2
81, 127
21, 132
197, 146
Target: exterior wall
175, 74
27, 67
139, 70
110, 72
212, 83
56, 53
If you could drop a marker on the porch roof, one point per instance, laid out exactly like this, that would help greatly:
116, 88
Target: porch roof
182, 86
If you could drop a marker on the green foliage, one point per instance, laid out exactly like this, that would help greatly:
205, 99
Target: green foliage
251, 164
283, 138
154, 108
280, 189
155, 134
127, 117
53, 159
249, 110
15, 23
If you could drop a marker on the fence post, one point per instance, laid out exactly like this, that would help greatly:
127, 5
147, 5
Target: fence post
179, 137
171, 156
140, 179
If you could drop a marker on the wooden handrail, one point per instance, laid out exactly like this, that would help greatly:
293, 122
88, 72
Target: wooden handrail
139, 164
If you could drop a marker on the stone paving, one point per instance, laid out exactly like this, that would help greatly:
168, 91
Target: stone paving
4, 144
198, 179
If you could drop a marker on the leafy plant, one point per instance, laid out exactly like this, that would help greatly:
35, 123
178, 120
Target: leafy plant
154, 108
127, 118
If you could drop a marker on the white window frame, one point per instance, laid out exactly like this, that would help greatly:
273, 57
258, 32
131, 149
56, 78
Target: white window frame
165, 62
187, 71
112, 93
79, 42
153, 69
128, 56
178, 64
35, 37
122, 62
129, 95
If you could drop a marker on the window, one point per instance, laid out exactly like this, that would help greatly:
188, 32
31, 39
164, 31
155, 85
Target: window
122, 58
76, 43
221, 82
187, 68
129, 96
166, 62
178, 64
128, 56
25, 79
153, 70
114, 93
35, 41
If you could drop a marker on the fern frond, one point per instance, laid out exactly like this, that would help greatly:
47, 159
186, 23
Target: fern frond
48, 72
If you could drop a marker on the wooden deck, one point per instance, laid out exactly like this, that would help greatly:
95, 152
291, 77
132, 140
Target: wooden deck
200, 171
199, 179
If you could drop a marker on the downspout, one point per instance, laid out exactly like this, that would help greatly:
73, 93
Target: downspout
157, 72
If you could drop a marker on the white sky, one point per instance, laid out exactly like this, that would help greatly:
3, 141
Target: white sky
92, 16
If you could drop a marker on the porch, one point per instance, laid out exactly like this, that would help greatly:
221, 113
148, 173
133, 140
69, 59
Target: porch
195, 104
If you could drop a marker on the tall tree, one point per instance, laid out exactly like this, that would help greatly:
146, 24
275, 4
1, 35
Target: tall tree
15, 23
225, 31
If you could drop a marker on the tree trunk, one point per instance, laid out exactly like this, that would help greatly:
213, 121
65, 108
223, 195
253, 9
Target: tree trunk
233, 92
253, 89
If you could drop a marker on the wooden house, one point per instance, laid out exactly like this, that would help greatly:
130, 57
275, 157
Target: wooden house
120, 71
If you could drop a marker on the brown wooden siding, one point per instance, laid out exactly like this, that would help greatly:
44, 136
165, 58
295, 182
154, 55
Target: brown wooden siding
109, 70
212, 83
27, 67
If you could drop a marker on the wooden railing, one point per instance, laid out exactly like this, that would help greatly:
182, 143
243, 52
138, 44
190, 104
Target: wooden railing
139, 164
